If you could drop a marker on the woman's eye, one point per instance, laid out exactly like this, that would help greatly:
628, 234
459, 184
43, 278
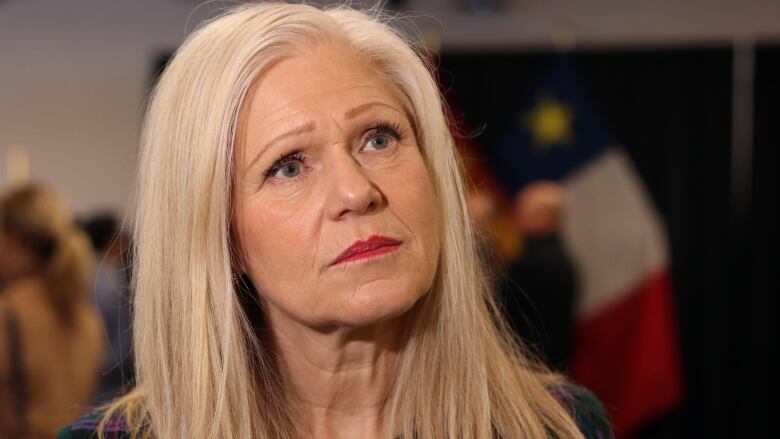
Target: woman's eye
287, 167
288, 170
378, 142
382, 136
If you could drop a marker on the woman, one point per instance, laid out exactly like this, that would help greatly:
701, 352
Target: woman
304, 266
51, 342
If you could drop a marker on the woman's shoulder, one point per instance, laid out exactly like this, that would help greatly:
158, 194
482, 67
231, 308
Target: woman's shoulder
86, 427
585, 408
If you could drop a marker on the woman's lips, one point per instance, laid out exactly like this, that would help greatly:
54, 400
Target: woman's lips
373, 246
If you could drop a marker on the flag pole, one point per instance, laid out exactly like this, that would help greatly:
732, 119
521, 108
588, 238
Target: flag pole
742, 129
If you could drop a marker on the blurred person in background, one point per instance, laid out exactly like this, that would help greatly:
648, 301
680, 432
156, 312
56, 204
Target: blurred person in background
541, 285
536, 279
51, 339
111, 295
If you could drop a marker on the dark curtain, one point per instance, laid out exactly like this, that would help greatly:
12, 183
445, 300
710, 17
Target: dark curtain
758, 324
671, 110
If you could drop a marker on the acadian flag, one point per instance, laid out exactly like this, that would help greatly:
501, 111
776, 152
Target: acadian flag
625, 345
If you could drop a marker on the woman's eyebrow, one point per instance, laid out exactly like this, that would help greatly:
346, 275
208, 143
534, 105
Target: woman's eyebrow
353, 112
303, 128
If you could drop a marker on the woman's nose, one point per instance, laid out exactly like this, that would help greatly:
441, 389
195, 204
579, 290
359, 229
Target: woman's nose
351, 190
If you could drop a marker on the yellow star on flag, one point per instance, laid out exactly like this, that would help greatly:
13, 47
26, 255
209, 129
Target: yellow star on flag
550, 123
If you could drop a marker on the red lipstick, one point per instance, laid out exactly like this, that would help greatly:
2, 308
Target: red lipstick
373, 246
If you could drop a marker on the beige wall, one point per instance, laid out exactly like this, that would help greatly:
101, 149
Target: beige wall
73, 78
73, 73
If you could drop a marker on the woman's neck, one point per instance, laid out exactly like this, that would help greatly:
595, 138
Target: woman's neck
339, 379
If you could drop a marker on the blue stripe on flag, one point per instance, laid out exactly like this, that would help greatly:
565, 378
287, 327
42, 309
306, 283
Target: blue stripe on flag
556, 131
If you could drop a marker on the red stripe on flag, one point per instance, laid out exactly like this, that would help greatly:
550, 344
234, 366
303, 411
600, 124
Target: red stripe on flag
627, 353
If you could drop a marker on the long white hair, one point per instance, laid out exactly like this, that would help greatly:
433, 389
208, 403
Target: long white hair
202, 368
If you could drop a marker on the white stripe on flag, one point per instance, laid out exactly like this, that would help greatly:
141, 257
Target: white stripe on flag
611, 230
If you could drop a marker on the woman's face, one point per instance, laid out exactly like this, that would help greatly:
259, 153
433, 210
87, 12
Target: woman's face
335, 211
15, 258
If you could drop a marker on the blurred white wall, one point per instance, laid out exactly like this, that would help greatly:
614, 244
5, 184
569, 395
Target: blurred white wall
74, 73
73, 79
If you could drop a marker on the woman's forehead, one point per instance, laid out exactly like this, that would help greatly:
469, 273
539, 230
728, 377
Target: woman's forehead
312, 76
328, 82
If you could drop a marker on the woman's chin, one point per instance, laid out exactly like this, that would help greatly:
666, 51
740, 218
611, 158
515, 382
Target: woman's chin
374, 305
